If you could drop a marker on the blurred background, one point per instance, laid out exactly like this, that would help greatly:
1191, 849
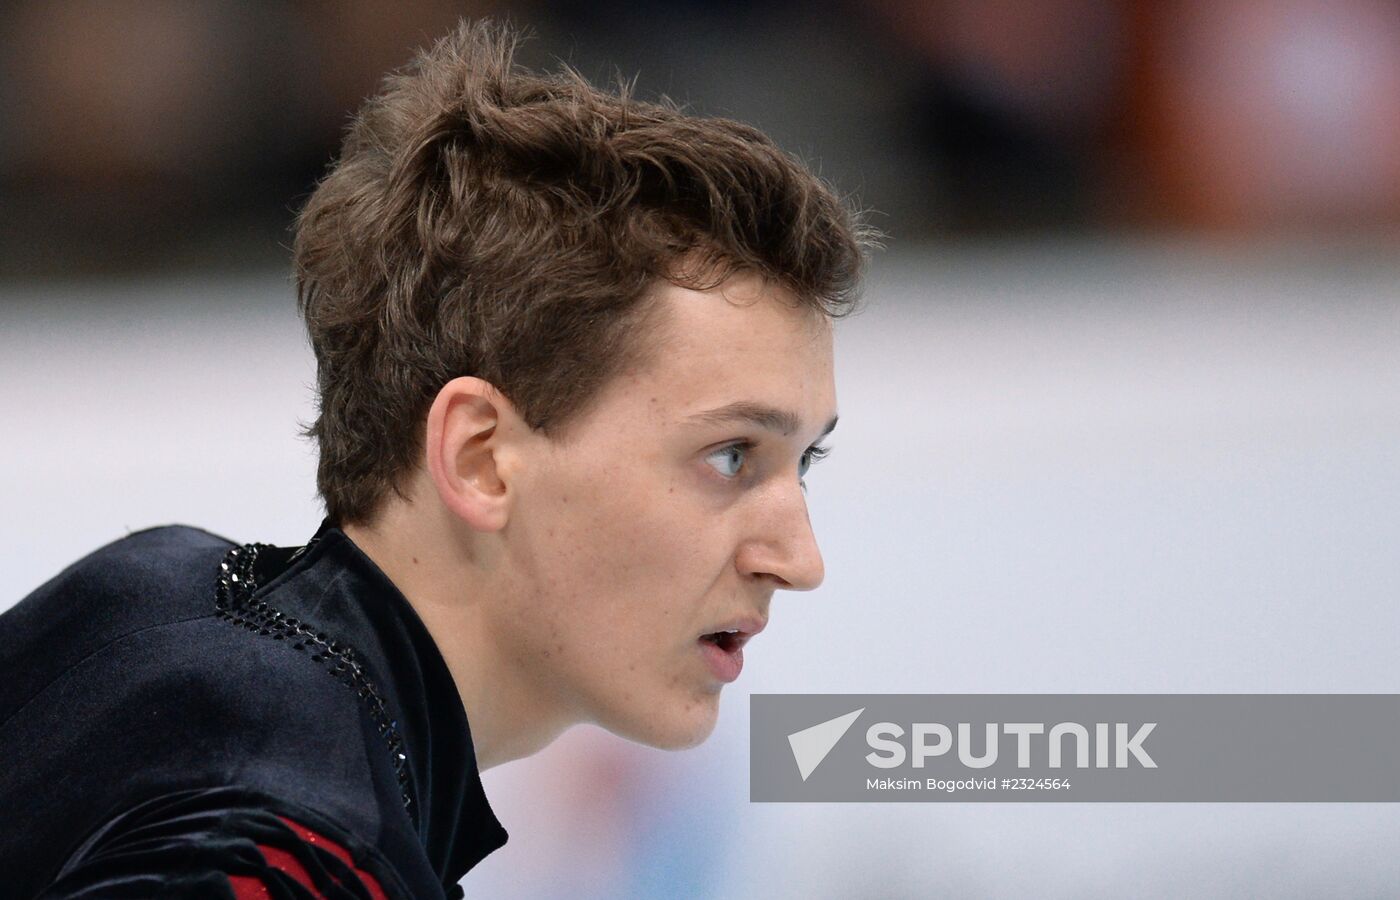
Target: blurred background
1121, 415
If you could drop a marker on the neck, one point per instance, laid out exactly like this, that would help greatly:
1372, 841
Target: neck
510, 716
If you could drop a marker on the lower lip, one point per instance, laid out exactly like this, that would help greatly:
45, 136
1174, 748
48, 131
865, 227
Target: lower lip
726, 665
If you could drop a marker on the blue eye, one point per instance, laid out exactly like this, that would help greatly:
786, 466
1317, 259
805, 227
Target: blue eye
813, 456
729, 461
732, 459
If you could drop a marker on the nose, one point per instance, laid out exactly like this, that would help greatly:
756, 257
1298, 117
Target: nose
783, 548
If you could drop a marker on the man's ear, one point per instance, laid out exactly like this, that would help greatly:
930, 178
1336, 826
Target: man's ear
468, 425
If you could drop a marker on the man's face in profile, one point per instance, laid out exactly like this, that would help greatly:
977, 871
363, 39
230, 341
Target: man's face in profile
671, 512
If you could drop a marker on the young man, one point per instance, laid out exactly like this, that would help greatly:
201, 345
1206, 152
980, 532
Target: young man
574, 359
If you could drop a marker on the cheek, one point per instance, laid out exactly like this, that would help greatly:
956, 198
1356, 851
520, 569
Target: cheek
642, 534
633, 554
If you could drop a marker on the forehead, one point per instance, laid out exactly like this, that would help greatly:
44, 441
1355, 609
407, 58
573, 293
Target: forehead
743, 341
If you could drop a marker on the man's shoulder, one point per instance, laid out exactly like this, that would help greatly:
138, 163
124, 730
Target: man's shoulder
129, 682
144, 580
193, 704
262, 707
201, 670
149, 557
146, 563
135, 625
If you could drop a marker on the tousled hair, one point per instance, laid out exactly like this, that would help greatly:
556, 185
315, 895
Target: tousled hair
485, 220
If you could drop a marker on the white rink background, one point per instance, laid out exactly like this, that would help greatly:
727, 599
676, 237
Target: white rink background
1060, 468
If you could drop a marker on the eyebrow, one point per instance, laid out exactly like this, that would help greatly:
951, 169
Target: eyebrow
760, 414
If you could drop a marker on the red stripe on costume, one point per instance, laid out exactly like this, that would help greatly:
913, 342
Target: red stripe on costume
246, 887
252, 888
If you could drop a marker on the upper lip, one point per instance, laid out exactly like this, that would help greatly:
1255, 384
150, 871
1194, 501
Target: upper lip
745, 626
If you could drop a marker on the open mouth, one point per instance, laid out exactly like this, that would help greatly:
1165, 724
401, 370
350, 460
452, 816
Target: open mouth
724, 653
728, 641
723, 650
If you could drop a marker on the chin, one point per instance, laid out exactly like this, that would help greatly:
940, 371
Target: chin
680, 727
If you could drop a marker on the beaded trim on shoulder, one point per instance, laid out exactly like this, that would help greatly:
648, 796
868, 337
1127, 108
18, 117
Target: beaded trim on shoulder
235, 602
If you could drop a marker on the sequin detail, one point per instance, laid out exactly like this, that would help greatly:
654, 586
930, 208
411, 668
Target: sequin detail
235, 602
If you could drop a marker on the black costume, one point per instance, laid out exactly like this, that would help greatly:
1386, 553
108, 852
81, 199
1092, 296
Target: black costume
170, 701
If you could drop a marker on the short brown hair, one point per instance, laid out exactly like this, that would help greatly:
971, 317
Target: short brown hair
486, 220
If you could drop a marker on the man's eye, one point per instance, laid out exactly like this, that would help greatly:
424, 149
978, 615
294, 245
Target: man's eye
813, 456
729, 460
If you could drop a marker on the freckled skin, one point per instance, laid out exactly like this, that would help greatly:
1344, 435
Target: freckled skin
628, 541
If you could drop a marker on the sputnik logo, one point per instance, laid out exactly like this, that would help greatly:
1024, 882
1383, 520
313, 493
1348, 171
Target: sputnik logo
811, 745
